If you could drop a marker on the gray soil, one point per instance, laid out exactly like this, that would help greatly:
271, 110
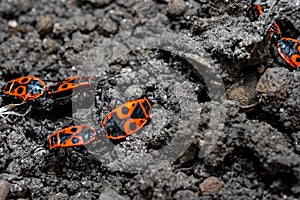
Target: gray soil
225, 120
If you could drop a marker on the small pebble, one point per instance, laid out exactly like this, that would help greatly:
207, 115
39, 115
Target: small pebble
211, 185
4, 189
12, 24
44, 25
110, 27
177, 7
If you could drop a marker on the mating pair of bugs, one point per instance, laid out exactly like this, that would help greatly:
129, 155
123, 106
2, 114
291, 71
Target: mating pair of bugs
31, 88
288, 48
121, 122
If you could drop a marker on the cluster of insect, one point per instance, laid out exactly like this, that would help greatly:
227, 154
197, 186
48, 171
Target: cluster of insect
121, 122
288, 48
129, 117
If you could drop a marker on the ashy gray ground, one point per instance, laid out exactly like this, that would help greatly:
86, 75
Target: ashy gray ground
215, 81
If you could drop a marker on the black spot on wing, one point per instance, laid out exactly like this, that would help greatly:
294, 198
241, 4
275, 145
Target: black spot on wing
64, 86
138, 112
125, 110
20, 90
132, 126
74, 129
75, 140
24, 80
